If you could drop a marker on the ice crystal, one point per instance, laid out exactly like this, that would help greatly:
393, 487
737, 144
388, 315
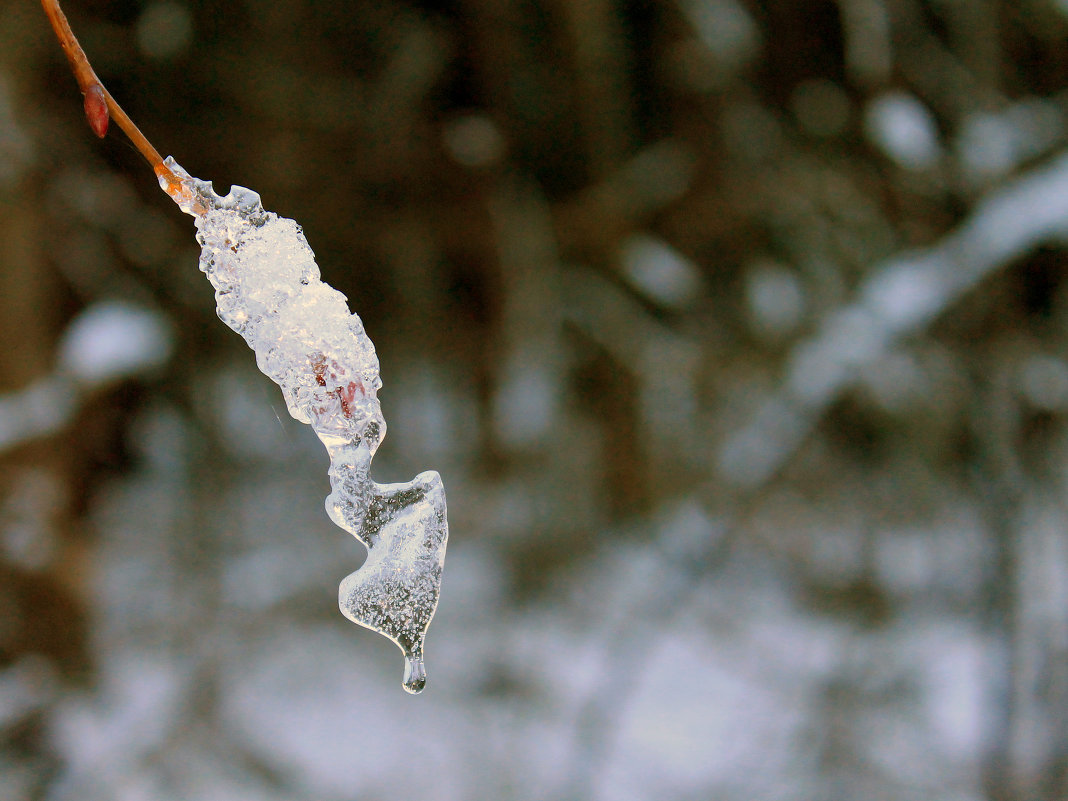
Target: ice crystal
268, 289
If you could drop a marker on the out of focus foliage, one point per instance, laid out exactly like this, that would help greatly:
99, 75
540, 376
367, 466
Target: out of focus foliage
737, 330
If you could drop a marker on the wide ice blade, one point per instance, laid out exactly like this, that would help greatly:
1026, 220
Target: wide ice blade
396, 590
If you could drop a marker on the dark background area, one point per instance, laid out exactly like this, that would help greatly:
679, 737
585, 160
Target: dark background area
736, 330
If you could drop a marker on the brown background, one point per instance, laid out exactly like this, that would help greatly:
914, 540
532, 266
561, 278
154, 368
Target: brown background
742, 504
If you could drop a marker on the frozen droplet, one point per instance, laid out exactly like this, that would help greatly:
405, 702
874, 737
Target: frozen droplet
414, 674
306, 340
404, 527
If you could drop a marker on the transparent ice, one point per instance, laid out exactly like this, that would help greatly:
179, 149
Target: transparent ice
268, 289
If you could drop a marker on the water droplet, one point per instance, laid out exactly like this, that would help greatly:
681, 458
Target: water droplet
414, 674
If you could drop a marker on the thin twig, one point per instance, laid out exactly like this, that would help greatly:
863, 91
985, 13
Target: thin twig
99, 102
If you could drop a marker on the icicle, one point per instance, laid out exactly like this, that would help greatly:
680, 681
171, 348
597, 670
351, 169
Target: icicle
268, 290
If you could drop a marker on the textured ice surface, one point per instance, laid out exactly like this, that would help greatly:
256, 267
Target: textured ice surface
268, 290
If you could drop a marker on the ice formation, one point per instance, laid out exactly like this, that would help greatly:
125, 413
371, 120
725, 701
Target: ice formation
268, 290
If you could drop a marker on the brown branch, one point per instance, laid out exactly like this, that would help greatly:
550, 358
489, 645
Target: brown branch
98, 101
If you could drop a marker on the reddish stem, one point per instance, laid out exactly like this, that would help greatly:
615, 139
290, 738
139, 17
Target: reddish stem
99, 102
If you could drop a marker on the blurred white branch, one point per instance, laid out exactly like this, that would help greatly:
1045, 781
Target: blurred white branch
107, 342
902, 296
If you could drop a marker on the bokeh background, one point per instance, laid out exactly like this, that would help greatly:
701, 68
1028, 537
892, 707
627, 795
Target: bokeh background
736, 329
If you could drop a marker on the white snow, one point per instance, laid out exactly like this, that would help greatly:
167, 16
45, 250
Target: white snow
902, 127
775, 298
112, 340
108, 341
659, 271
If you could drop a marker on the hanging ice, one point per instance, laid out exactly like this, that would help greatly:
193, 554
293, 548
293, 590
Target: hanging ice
268, 290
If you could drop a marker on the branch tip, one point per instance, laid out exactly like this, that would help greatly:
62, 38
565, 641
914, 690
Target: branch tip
99, 104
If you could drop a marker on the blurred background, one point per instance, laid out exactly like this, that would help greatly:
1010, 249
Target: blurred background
736, 329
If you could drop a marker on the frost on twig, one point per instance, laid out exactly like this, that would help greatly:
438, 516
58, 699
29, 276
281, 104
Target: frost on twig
268, 290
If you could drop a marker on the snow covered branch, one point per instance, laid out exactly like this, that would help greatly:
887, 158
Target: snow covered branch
903, 295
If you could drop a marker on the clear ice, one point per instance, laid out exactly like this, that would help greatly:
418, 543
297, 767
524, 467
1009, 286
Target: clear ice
268, 290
